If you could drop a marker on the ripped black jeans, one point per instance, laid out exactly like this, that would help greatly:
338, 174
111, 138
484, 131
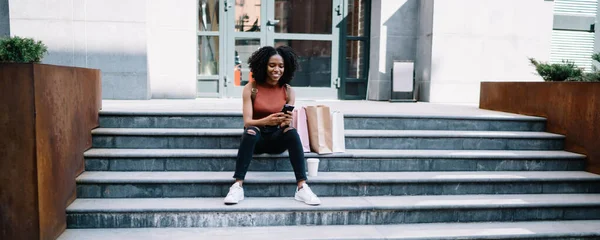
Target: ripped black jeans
270, 140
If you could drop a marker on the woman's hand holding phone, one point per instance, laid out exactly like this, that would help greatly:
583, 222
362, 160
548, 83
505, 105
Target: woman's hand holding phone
274, 119
282, 119
287, 110
287, 120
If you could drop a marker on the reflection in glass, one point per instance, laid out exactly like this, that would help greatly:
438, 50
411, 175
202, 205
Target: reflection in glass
356, 88
356, 17
303, 16
247, 15
243, 49
315, 62
355, 59
208, 15
208, 55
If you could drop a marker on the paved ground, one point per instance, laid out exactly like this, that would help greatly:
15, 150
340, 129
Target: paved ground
516, 230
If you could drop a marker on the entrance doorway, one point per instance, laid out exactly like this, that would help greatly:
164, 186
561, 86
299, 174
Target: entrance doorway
308, 26
322, 32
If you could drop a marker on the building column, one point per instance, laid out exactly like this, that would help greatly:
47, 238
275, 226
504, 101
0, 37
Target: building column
4, 19
394, 25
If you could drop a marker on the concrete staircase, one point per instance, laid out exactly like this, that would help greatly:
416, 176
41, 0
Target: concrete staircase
164, 175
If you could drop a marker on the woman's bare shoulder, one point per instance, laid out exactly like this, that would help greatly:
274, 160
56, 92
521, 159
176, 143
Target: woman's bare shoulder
247, 89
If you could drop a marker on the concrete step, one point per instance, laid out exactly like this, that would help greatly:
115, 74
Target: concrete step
429, 231
282, 184
353, 160
121, 119
355, 139
211, 212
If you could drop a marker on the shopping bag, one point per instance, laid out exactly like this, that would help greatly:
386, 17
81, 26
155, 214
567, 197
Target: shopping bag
319, 129
300, 124
337, 133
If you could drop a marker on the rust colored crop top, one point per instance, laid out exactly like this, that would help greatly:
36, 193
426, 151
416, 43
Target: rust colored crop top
268, 100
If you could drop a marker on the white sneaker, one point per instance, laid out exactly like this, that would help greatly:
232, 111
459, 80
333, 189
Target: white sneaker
307, 196
235, 195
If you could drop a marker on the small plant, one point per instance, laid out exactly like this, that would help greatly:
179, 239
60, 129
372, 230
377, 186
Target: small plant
557, 72
596, 56
589, 77
593, 76
21, 50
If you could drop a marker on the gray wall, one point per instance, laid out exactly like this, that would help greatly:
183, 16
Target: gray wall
109, 35
394, 32
424, 40
172, 42
4, 19
481, 40
457, 44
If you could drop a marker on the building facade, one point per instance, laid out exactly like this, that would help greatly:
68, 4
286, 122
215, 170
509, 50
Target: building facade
185, 49
574, 32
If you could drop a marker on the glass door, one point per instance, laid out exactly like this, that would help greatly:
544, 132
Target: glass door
354, 60
209, 48
245, 34
310, 27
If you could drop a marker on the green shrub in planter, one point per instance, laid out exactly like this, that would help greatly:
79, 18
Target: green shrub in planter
21, 50
593, 76
596, 56
589, 77
558, 72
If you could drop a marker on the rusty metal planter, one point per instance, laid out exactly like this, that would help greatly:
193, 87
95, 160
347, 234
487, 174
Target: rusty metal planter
571, 109
46, 116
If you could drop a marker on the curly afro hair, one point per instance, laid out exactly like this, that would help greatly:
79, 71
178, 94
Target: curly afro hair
258, 63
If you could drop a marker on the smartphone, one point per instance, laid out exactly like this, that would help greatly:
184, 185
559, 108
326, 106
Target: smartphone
287, 108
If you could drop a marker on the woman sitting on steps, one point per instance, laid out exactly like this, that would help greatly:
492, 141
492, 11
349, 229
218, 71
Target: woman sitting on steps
266, 128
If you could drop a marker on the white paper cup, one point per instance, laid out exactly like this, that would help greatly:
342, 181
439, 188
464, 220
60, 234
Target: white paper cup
313, 166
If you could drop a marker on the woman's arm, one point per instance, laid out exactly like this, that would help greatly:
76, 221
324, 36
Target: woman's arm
292, 96
247, 107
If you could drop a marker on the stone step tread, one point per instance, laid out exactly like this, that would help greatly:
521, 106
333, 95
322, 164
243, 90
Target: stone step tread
275, 204
350, 153
171, 113
336, 177
427, 231
348, 133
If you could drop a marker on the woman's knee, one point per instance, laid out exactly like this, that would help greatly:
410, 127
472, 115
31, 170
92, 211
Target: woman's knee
251, 131
290, 130
291, 134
